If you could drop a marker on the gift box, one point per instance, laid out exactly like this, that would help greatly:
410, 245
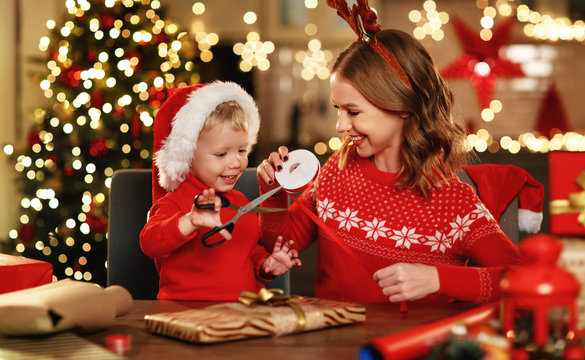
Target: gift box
567, 193
256, 315
17, 273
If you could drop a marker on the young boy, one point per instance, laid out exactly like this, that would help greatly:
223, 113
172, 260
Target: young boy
202, 136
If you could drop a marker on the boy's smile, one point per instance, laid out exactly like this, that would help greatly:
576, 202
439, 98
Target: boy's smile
221, 157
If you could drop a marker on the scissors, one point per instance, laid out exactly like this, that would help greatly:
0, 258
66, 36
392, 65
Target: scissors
251, 207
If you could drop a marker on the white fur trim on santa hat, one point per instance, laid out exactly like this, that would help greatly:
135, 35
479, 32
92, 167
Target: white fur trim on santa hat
529, 221
174, 158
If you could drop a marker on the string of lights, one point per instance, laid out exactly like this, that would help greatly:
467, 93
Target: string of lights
109, 66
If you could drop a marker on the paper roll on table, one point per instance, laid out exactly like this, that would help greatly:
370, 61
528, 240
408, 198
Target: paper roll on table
62, 305
418, 342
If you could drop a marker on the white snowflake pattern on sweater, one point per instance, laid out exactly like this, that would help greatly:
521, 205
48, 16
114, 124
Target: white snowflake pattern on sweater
404, 237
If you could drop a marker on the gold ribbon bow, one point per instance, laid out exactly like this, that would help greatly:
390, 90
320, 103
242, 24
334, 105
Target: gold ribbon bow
275, 297
574, 203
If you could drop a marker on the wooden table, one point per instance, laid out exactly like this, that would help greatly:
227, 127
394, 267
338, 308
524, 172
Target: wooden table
332, 343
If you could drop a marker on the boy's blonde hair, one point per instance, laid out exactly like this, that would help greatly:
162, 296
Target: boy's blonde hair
227, 113
182, 117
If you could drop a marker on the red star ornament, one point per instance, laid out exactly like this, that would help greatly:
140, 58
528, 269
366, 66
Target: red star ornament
482, 62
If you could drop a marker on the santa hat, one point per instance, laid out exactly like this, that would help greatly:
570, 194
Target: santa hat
178, 123
498, 185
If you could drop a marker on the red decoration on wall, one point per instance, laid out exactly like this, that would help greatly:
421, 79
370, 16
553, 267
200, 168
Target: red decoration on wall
552, 117
482, 61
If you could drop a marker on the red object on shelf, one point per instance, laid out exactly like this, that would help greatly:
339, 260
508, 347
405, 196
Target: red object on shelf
18, 273
539, 286
419, 341
567, 192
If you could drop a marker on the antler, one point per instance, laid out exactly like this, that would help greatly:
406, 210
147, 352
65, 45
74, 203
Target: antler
361, 18
364, 22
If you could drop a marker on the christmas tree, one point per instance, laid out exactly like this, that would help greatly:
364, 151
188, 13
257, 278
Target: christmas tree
110, 66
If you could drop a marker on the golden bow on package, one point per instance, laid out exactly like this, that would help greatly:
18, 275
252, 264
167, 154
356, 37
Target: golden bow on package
566, 176
263, 314
575, 203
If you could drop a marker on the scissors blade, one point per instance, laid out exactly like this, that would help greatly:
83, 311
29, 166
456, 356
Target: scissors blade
254, 203
249, 207
262, 210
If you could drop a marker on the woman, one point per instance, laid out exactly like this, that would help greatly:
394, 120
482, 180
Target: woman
398, 224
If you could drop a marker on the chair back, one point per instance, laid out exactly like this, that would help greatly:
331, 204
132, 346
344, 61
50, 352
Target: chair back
130, 201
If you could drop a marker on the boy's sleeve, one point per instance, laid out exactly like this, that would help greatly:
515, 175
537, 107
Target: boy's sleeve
161, 236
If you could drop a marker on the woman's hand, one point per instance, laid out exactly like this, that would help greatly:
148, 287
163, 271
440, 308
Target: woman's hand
268, 168
283, 257
406, 281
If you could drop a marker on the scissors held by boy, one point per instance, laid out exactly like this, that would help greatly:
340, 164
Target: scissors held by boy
219, 201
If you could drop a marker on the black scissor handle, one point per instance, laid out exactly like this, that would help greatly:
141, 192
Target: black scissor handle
228, 226
224, 203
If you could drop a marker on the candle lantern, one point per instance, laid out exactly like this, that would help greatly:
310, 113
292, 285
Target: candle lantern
538, 297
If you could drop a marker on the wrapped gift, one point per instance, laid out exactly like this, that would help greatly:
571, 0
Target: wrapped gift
567, 193
17, 273
256, 315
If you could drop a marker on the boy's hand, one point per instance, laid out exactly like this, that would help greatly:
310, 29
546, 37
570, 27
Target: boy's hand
282, 259
198, 218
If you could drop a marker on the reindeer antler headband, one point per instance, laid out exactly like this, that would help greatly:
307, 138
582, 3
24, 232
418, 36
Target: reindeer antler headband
363, 21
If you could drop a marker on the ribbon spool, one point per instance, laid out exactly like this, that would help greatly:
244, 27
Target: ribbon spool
301, 169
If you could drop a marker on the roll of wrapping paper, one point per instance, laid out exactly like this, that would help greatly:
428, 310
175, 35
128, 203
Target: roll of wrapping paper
418, 341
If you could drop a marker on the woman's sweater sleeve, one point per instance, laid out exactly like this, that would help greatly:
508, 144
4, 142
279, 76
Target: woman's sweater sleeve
491, 252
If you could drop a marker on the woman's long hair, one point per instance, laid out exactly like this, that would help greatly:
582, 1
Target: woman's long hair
433, 146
